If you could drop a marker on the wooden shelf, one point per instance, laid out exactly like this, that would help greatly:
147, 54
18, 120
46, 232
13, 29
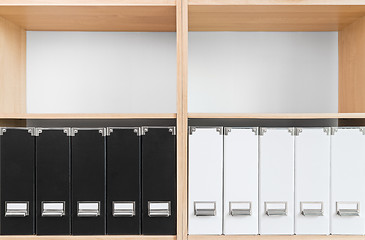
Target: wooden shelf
267, 15
307, 237
107, 237
91, 15
277, 115
89, 116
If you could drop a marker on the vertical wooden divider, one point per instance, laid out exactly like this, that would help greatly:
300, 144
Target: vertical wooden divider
351, 54
182, 116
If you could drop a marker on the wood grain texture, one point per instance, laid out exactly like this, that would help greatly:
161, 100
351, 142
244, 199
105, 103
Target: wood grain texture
89, 116
272, 17
351, 49
12, 68
182, 121
314, 237
276, 2
106, 237
277, 115
87, 2
92, 18
182, 118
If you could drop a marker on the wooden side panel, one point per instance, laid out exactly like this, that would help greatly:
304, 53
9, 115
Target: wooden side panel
182, 117
351, 84
12, 68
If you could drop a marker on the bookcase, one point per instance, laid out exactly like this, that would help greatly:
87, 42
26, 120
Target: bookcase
347, 18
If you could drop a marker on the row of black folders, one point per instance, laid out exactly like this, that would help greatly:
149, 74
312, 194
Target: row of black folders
83, 181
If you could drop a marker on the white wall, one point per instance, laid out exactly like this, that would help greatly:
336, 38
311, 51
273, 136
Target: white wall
101, 72
263, 72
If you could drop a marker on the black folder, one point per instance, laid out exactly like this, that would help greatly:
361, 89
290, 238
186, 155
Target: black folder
17, 181
158, 180
88, 181
123, 181
53, 182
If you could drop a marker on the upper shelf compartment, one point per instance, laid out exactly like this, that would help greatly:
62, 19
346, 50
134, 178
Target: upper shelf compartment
268, 15
91, 15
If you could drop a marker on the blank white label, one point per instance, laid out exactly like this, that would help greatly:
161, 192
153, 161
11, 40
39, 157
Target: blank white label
89, 206
275, 206
159, 206
20, 206
240, 205
308, 206
204, 206
53, 206
123, 206
347, 206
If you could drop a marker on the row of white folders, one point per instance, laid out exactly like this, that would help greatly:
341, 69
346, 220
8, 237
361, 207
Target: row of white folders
248, 181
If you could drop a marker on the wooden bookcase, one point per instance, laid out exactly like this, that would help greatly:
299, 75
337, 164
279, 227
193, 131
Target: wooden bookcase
181, 16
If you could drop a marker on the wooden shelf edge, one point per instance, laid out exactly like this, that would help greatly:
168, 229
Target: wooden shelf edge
103, 237
277, 115
277, 2
276, 237
89, 116
75, 3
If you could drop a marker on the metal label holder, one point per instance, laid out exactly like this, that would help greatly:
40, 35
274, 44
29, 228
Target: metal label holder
88, 212
276, 211
348, 212
16, 208
125, 209
155, 209
205, 211
240, 211
53, 211
311, 211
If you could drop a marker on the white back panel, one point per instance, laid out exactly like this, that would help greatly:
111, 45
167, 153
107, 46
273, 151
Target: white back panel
241, 180
348, 179
263, 72
101, 72
312, 180
276, 180
205, 179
